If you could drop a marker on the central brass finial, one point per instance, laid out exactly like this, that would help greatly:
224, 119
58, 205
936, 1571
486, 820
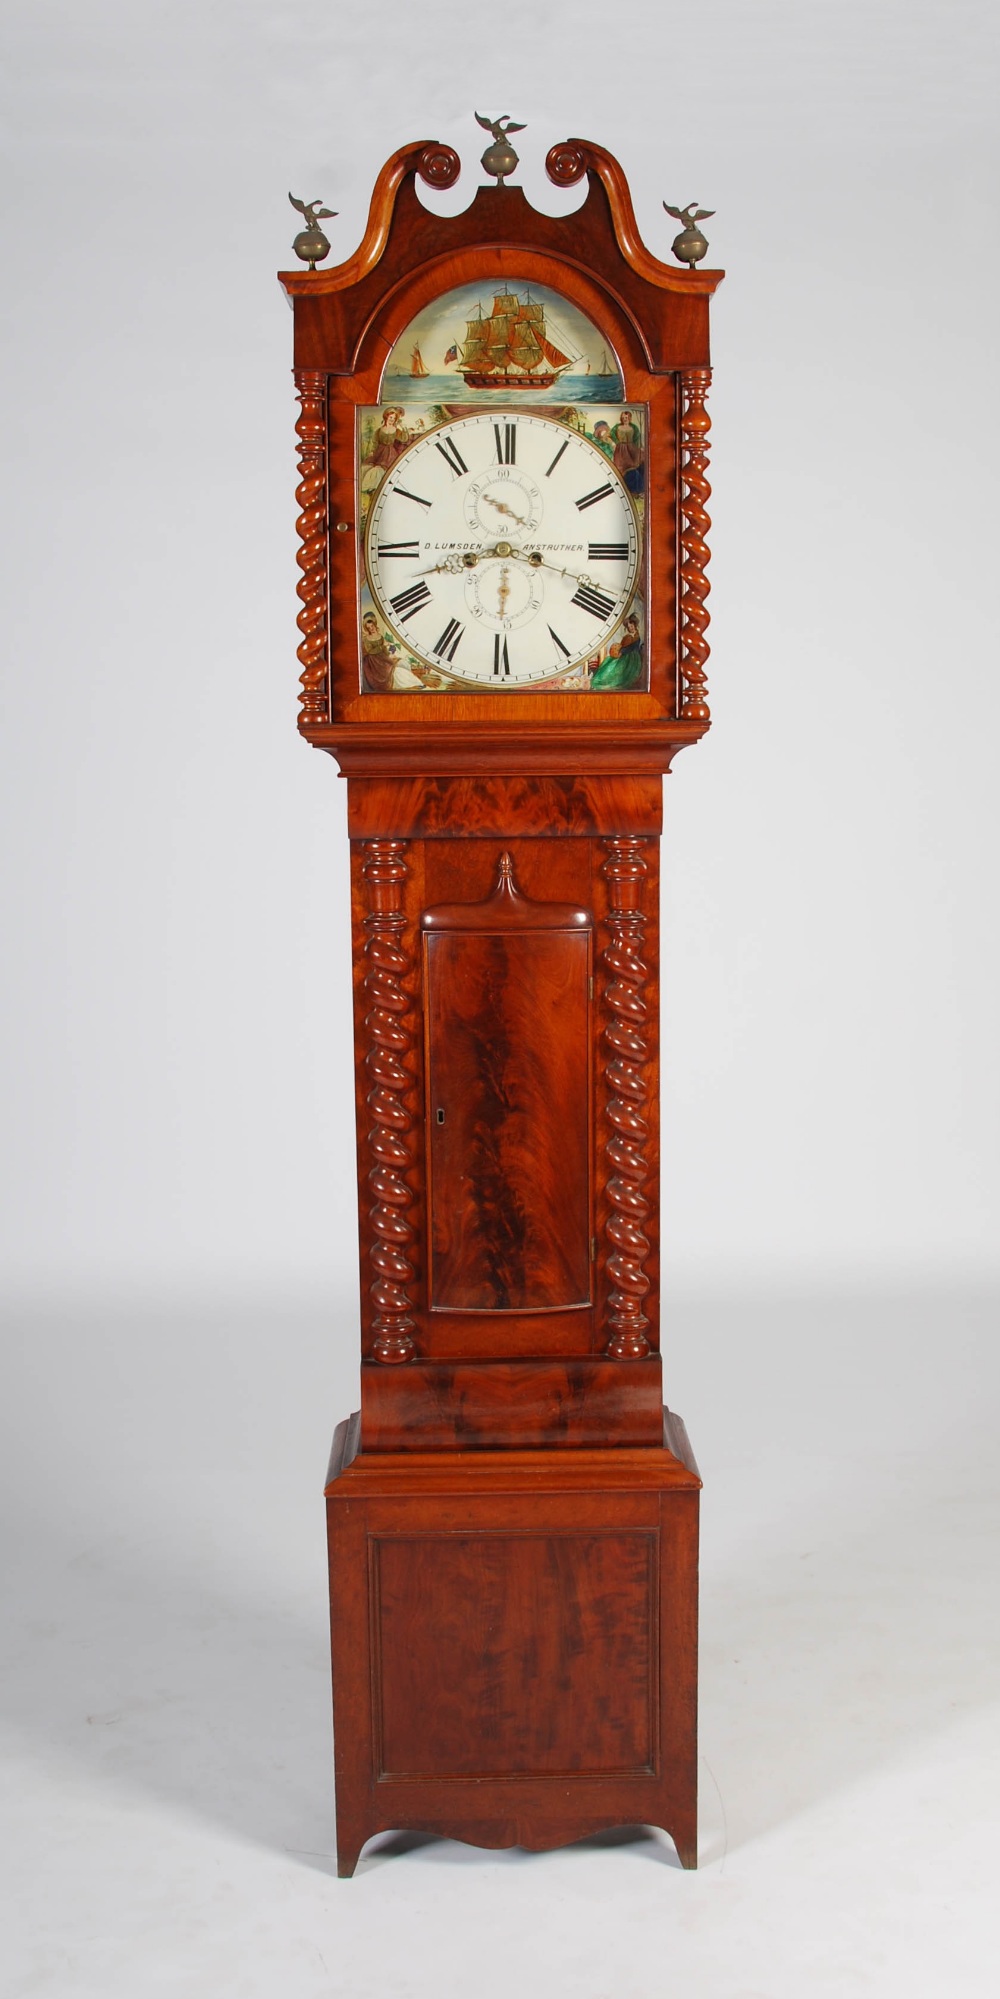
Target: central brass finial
500, 158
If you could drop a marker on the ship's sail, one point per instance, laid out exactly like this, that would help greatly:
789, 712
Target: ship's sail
524, 344
417, 363
474, 346
553, 355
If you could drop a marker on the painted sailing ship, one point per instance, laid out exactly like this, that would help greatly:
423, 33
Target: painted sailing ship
511, 349
417, 366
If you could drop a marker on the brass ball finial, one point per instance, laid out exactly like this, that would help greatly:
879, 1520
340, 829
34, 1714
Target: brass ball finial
310, 244
690, 246
499, 159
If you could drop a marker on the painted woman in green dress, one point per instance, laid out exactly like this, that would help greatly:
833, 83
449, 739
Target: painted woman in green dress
622, 665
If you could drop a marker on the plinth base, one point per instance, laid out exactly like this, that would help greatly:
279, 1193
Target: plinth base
514, 1642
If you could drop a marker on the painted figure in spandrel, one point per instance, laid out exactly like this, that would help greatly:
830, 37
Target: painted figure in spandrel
628, 451
603, 438
380, 449
622, 666
390, 438
383, 671
378, 656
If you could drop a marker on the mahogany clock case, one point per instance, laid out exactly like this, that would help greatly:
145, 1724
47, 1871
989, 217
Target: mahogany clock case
512, 1515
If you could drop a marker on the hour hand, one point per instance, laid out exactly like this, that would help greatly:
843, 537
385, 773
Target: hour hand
451, 563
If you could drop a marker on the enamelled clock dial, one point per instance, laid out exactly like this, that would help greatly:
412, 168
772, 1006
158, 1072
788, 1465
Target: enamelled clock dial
502, 548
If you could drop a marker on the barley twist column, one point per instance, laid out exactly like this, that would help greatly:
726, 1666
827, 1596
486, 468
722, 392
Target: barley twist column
312, 526
625, 871
695, 523
390, 1042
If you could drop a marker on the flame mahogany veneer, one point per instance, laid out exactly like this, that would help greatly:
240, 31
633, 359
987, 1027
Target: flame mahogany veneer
512, 1514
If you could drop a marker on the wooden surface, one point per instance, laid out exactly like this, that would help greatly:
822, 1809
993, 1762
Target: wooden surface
434, 807
581, 1616
514, 1644
470, 740
509, 1185
570, 1403
507, 997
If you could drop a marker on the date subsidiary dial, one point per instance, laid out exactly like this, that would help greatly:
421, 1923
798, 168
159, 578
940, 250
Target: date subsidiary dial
502, 549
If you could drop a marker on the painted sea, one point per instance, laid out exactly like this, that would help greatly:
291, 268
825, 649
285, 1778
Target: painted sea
451, 388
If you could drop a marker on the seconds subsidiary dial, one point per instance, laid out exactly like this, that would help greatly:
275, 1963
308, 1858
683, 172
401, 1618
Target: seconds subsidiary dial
502, 549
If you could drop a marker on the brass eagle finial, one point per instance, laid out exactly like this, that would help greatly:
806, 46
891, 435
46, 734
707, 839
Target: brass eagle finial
690, 246
500, 158
310, 244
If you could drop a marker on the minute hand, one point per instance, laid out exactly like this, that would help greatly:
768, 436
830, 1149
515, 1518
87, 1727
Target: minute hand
539, 561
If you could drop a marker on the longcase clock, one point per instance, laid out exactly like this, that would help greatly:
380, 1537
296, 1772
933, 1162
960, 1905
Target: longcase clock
503, 447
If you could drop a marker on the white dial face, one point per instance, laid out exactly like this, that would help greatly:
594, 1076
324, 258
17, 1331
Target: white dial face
502, 549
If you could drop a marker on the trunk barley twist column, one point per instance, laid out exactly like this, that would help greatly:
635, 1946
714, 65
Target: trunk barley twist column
625, 871
385, 871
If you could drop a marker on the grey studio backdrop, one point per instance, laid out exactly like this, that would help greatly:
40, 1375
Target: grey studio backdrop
178, 1204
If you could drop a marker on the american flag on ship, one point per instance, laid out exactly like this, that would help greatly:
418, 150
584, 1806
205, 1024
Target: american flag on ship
452, 354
